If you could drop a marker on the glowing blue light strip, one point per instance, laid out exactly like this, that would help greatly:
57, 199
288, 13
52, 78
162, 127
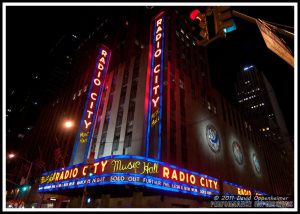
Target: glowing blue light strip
247, 68
161, 93
97, 102
150, 96
84, 112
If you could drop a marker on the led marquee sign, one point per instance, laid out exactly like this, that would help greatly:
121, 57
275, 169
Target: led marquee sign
155, 84
135, 170
82, 143
234, 189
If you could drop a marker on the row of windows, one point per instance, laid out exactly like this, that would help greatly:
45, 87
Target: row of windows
259, 105
131, 109
116, 139
107, 116
247, 98
248, 92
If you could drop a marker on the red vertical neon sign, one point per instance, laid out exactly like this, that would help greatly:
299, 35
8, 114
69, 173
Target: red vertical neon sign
154, 113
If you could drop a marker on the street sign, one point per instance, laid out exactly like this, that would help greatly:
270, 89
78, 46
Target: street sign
275, 44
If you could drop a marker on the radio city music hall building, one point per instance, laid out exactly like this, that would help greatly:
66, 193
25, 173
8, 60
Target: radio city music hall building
153, 132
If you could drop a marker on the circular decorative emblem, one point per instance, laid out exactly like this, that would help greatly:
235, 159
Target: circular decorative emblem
237, 152
212, 138
256, 164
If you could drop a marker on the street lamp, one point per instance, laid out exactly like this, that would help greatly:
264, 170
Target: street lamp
11, 156
68, 124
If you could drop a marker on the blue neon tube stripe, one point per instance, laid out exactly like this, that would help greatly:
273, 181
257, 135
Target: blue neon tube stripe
150, 96
97, 103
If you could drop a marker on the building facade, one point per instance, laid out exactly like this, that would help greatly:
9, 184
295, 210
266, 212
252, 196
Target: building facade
158, 107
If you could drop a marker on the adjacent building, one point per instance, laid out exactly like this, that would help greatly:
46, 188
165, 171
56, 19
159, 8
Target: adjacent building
258, 102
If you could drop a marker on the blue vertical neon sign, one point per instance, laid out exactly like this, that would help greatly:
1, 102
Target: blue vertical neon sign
82, 143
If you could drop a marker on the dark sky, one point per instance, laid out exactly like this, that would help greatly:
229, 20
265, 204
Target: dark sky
246, 46
32, 31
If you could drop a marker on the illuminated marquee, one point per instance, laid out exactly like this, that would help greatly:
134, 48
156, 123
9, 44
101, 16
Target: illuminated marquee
133, 170
155, 70
234, 189
89, 114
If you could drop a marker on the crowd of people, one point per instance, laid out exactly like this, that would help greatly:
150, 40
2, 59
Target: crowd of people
15, 203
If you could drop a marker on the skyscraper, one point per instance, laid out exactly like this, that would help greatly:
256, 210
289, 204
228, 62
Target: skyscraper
256, 96
257, 99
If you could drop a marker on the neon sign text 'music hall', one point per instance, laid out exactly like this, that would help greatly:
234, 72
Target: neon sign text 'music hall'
155, 84
135, 170
82, 143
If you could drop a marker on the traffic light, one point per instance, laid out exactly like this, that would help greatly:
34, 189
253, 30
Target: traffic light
224, 22
199, 25
24, 188
91, 170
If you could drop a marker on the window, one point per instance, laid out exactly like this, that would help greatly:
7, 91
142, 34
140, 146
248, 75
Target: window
123, 94
115, 146
136, 67
117, 132
113, 84
129, 127
109, 104
131, 109
119, 117
208, 105
102, 144
215, 110
133, 90
128, 138
181, 84
105, 126
116, 139
126, 75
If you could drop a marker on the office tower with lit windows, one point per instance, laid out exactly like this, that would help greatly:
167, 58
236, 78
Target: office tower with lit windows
159, 134
257, 99
256, 96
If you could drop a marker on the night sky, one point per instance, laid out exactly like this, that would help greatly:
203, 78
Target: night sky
246, 46
31, 33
